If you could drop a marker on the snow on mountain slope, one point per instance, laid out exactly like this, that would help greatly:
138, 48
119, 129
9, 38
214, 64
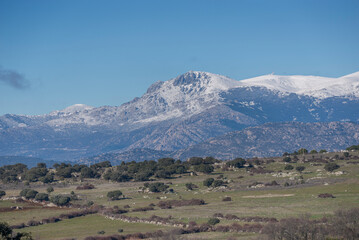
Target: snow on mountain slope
195, 92
76, 108
185, 95
180, 112
314, 86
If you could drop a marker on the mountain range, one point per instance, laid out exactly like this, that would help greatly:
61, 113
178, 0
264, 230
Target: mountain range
183, 116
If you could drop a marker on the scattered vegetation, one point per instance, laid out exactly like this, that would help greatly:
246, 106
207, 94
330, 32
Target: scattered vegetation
330, 167
156, 187
6, 233
179, 203
254, 181
114, 195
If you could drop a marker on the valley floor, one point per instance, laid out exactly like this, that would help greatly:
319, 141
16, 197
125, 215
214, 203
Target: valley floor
248, 196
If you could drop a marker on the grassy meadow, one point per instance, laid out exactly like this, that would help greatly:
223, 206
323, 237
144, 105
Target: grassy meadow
296, 194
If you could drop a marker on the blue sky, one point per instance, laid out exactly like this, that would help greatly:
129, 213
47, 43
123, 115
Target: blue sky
57, 53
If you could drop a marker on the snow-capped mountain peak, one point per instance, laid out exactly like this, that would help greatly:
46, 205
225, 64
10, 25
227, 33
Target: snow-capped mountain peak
76, 108
194, 92
180, 112
207, 81
313, 86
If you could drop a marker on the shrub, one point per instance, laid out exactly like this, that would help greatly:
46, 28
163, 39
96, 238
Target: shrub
179, 203
114, 195
85, 187
227, 199
190, 186
237, 163
166, 162
330, 167
48, 178
346, 223
208, 182
2, 193
326, 195
156, 187
87, 172
217, 183
302, 151
60, 200
143, 209
294, 228
65, 172
287, 159
49, 189
33, 223
300, 168
24, 191
204, 168
288, 167
28, 193
213, 221
195, 160
119, 211
162, 173
272, 183
31, 194
42, 197
259, 170
5, 230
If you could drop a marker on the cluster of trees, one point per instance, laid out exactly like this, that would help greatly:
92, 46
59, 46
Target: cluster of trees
211, 182
303, 151
164, 168
11, 173
236, 163
353, 148
143, 171
66, 170
20, 172
6, 233
330, 167
203, 165
59, 200
156, 187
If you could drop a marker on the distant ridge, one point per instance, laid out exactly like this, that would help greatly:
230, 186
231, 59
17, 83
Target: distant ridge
181, 112
268, 140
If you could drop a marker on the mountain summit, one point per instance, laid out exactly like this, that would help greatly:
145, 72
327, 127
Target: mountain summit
175, 114
318, 87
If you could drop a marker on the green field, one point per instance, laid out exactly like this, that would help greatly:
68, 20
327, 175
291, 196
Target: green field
300, 197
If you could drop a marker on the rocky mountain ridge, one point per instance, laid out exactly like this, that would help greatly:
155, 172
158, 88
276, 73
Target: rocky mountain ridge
180, 112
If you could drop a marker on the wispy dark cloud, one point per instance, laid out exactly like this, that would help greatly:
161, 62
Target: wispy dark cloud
13, 79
